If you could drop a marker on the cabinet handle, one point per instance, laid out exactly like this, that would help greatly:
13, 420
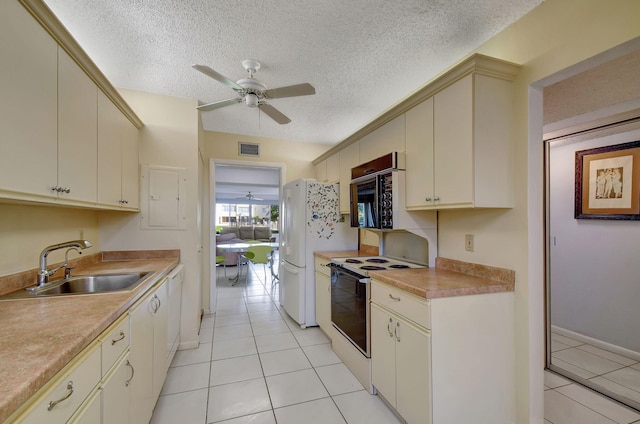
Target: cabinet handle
389, 327
133, 372
397, 299
53, 403
55, 188
114, 341
428, 198
396, 331
436, 198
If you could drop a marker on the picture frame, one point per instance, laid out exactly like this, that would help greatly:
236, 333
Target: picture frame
607, 182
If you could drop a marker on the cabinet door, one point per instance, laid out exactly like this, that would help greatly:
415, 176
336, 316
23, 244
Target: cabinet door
419, 155
141, 358
175, 309
323, 301
453, 143
413, 372
77, 136
388, 138
28, 110
90, 412
383, 353
115, 394
160, 334
109, 152
349, 158
333, 168
321, 171
130, 165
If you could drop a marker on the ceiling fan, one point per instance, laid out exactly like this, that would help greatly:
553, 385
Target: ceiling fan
250, 196
254, 92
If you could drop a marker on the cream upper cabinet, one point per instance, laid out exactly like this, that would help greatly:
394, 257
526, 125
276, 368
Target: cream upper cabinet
130, 166
321, 171
459, 144
333, 168
28, 104
77, 136
349, 158
118, 170
419, 155
388, 138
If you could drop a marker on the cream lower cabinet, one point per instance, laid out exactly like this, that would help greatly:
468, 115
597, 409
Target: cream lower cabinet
444, 360
115, 392
401, 366
148, 355
323, 295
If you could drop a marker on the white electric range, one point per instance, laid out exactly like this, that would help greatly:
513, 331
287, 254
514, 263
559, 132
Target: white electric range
363, 264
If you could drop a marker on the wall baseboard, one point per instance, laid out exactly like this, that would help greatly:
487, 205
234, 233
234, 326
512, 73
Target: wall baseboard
597, 343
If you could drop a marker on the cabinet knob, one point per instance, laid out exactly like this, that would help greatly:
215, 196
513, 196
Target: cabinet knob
436, 198
428, 198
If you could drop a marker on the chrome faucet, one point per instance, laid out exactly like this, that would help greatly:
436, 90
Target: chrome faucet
43, 273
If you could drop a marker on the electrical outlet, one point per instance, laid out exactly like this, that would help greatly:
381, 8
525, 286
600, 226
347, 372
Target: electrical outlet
468, 242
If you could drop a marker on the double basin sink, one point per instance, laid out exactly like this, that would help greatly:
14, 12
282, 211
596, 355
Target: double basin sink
83, 284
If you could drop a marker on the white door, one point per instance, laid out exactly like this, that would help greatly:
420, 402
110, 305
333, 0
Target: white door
292, 291
293, 248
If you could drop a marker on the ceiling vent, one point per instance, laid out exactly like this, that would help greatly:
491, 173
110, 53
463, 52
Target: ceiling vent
248, 149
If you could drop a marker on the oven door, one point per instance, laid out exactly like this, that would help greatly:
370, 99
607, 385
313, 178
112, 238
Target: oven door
365, 203
350, 311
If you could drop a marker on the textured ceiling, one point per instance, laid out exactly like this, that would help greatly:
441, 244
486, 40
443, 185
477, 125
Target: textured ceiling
362, 56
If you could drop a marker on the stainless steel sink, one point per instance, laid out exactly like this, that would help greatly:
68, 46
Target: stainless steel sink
83, 284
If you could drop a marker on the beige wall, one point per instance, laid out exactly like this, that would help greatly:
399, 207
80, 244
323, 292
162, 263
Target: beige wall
296, 156
26, 230
169, 138
554, 36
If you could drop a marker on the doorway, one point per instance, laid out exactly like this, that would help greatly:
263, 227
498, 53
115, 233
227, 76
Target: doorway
592, 291
242, 194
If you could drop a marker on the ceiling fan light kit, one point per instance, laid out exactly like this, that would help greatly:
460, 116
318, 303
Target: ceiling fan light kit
254, 92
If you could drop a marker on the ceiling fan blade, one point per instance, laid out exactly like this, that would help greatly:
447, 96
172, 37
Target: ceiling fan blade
217, 76
274, 114
218, 105
305, 89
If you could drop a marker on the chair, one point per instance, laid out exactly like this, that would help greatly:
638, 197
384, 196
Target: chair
220, 260
259, 255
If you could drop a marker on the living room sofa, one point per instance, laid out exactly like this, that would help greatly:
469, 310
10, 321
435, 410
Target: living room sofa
239, 235
250, 233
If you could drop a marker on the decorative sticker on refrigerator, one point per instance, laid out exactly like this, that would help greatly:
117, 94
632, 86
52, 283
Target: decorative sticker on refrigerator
323, 204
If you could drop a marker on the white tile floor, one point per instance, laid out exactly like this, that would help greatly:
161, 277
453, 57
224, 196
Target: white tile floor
569, 403
256, 365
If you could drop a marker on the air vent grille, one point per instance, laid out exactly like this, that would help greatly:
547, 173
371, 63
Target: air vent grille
248, 149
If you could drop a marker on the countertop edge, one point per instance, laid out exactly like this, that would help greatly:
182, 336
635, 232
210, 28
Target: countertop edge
12, 401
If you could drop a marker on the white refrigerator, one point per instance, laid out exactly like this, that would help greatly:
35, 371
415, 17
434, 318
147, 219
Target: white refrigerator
310, 222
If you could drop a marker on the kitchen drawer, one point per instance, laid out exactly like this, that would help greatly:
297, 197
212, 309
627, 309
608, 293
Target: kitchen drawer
322, 266
66, 391
114, 342
401, 302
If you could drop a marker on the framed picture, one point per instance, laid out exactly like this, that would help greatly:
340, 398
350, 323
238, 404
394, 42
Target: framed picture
607, 184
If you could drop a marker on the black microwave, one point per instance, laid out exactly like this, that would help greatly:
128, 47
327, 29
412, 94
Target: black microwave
373, 193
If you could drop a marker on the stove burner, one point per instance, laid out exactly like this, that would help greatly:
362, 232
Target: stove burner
372, 268
353, 261
377, 260
399, 266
